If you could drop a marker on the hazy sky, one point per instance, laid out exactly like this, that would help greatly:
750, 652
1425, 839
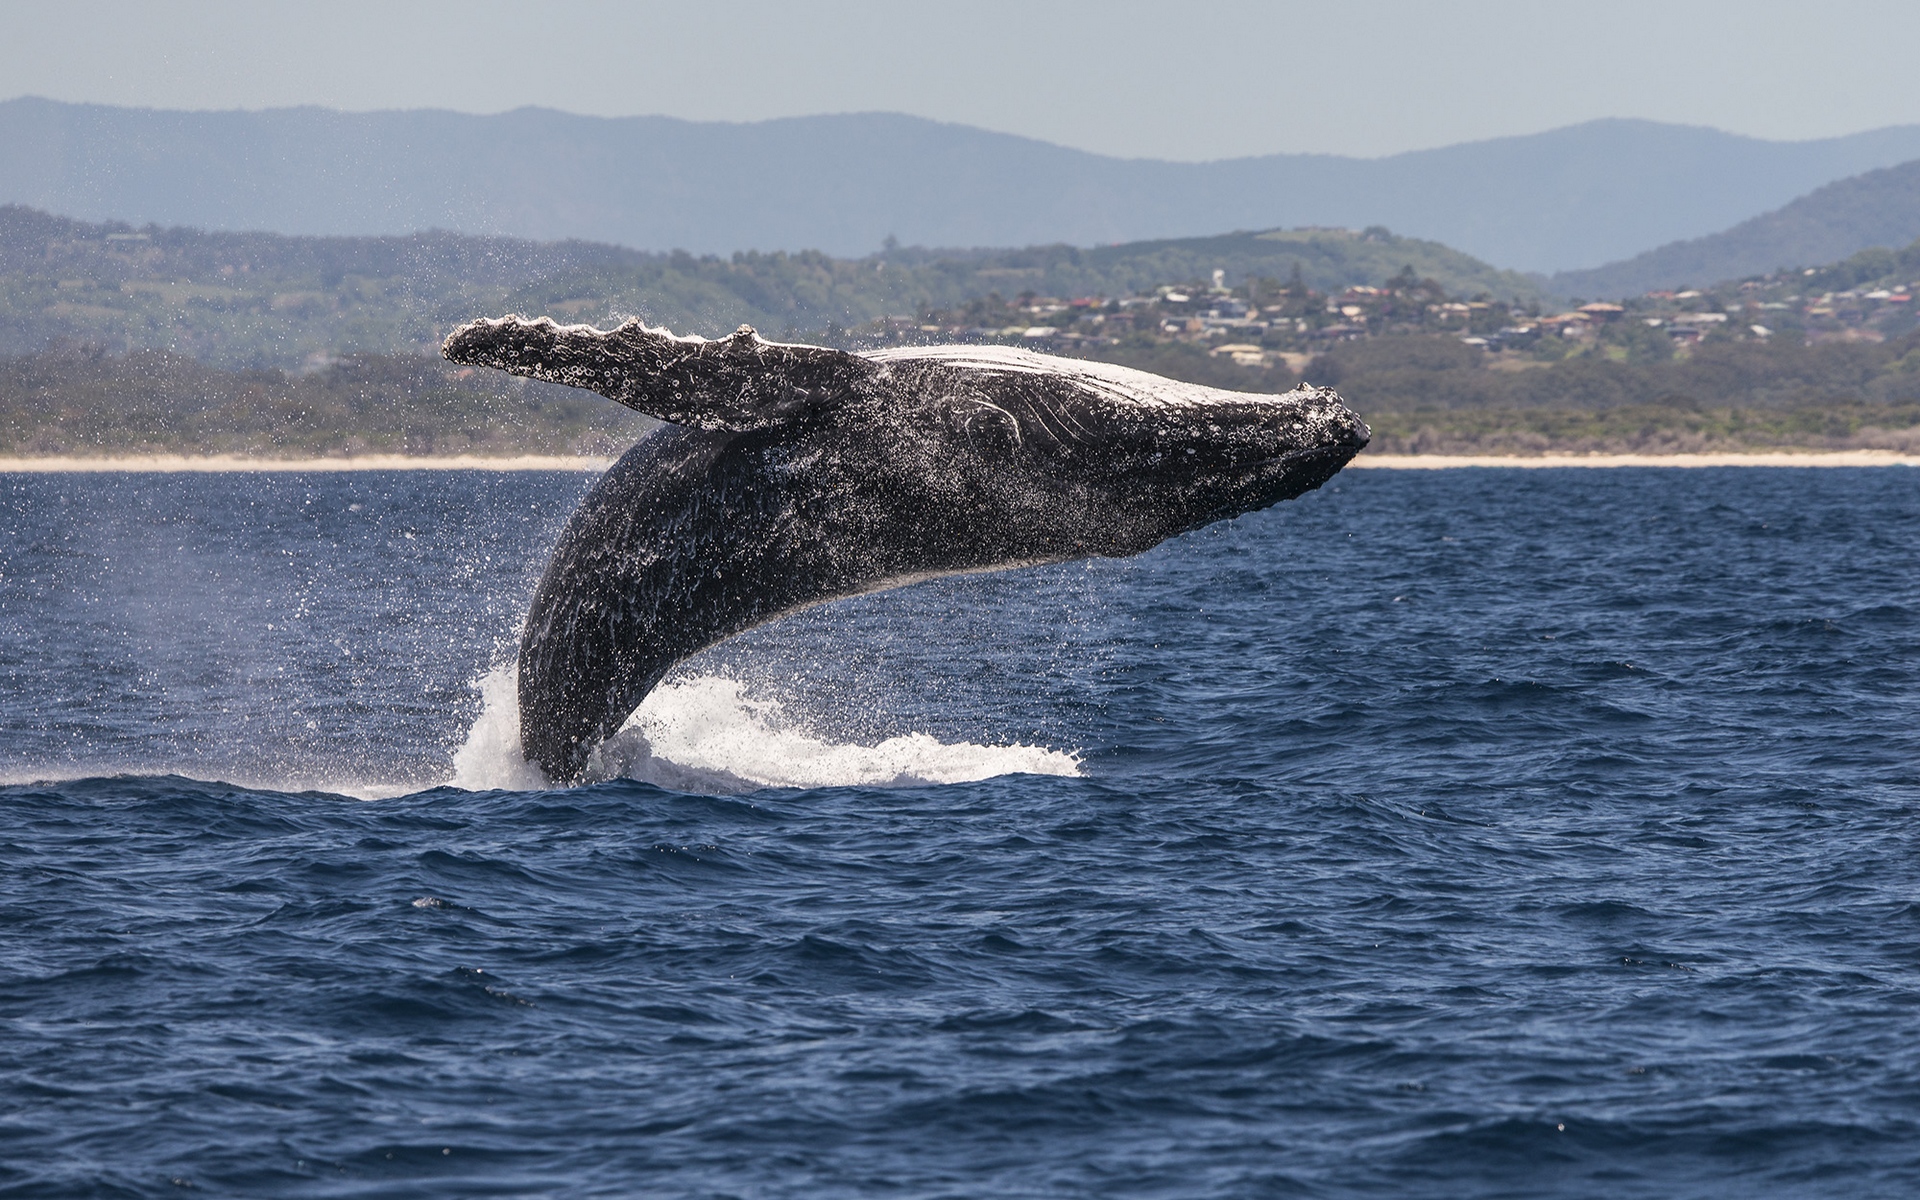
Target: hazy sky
1161, 79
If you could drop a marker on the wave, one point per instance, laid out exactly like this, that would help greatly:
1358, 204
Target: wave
706, 734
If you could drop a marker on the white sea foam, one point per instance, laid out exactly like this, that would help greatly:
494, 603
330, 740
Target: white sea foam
491, 756
706, 734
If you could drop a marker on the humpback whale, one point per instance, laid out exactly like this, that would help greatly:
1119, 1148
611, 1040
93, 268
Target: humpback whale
788, 475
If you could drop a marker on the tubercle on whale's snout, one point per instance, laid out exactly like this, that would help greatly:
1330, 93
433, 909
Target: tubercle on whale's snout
1322, 411
1352, 431
1356, 433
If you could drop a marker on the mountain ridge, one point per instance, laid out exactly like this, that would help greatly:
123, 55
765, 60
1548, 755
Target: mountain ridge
1563, 199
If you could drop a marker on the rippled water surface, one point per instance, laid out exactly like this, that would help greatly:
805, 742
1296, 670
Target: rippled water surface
1464, 833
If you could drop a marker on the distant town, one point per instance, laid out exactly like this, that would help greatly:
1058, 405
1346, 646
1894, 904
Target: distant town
1263, 323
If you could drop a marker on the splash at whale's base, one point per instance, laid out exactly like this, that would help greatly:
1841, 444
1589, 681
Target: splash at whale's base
707, 734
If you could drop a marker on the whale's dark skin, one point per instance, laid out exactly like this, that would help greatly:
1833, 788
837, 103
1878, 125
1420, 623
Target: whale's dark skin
790, 475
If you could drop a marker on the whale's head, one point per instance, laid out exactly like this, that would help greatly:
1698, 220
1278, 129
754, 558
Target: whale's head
1168, 469
1129, 458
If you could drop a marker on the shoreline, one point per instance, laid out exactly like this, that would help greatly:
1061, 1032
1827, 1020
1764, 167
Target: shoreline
1727, 458
238, 464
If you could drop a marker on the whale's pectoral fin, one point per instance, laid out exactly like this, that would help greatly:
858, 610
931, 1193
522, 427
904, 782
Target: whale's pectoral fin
739, 382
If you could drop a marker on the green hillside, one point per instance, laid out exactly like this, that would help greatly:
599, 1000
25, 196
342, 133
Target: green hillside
1328, 259
253, 300
1877, 267
1880, 208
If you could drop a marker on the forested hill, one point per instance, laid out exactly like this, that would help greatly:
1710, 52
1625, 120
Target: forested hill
266, 300
1880, 208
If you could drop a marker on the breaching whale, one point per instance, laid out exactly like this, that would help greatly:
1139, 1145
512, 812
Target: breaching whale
788, 475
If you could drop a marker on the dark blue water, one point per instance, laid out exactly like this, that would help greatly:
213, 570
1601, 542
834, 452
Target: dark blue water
1469, 833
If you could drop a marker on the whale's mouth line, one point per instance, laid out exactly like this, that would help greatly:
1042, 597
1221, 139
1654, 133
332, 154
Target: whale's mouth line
1338, 454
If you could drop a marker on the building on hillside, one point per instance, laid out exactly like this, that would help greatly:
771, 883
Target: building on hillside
1244, 354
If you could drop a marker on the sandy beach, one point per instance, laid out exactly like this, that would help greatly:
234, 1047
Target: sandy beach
365, 462
1788, 458
153, 463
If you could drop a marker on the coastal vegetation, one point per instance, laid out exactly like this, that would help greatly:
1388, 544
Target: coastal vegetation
77, 400
122, 341
1422, 393
1429, 396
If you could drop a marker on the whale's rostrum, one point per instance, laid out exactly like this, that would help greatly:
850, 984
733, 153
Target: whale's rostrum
788, 475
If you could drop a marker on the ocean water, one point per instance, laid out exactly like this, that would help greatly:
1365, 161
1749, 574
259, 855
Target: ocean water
1468, 833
